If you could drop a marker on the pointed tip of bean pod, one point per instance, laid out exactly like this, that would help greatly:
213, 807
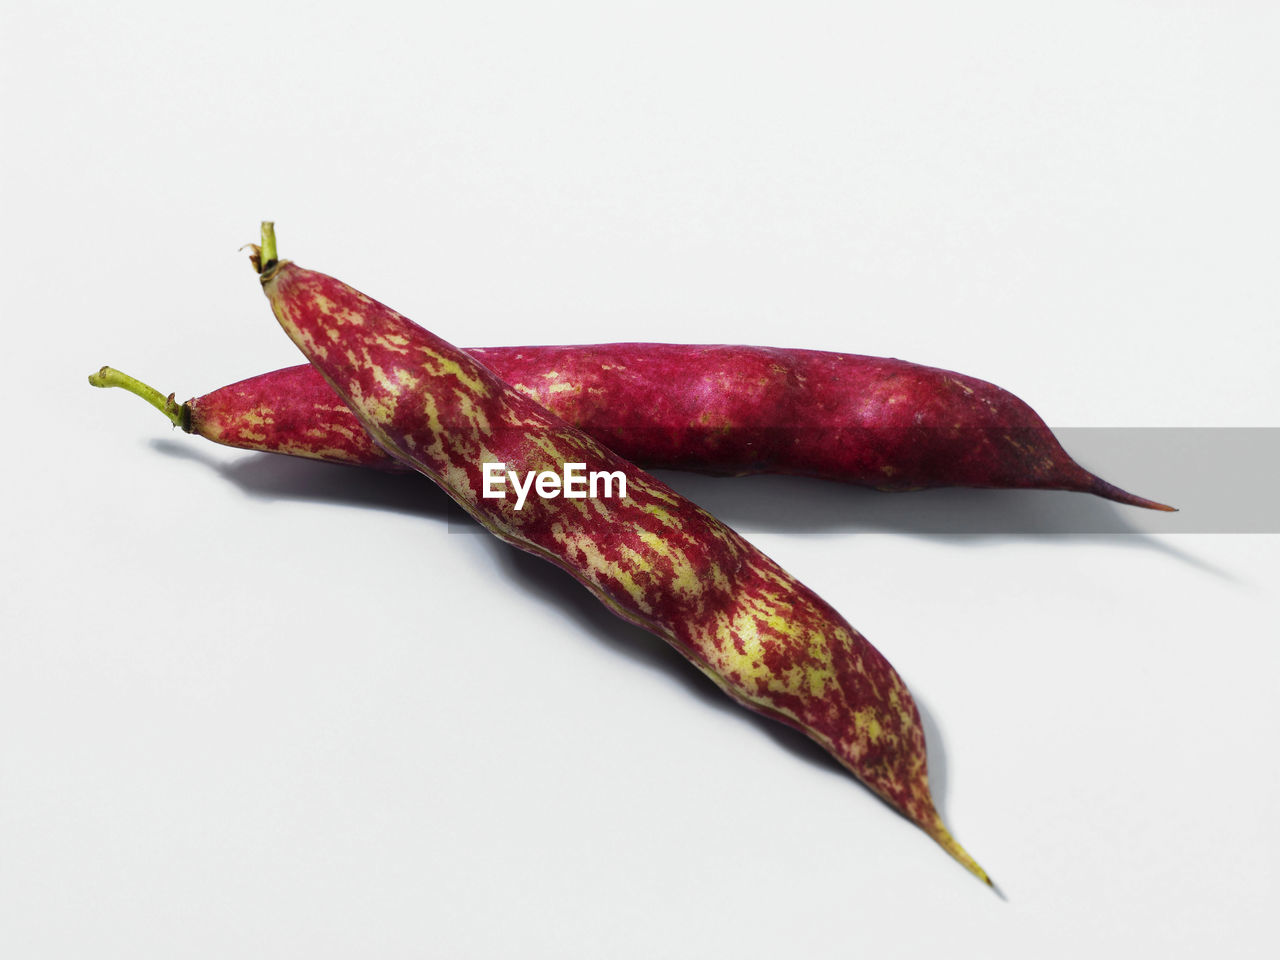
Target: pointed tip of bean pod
1069, 475
942, 836
1109, 491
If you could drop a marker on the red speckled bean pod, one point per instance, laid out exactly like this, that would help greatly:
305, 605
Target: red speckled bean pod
654, 558
720, 409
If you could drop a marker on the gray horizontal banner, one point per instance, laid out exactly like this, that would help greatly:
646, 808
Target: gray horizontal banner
1221, 479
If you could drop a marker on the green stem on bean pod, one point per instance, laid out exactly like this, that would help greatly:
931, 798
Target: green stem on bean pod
178, 413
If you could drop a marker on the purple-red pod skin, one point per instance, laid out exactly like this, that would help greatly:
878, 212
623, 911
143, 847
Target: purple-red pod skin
719, 409
739, 410
290, 411
653, 557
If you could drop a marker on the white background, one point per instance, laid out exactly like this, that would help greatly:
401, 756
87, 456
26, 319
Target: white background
273, 709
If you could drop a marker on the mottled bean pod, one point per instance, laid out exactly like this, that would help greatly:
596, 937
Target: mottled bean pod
715, 409
654, 558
